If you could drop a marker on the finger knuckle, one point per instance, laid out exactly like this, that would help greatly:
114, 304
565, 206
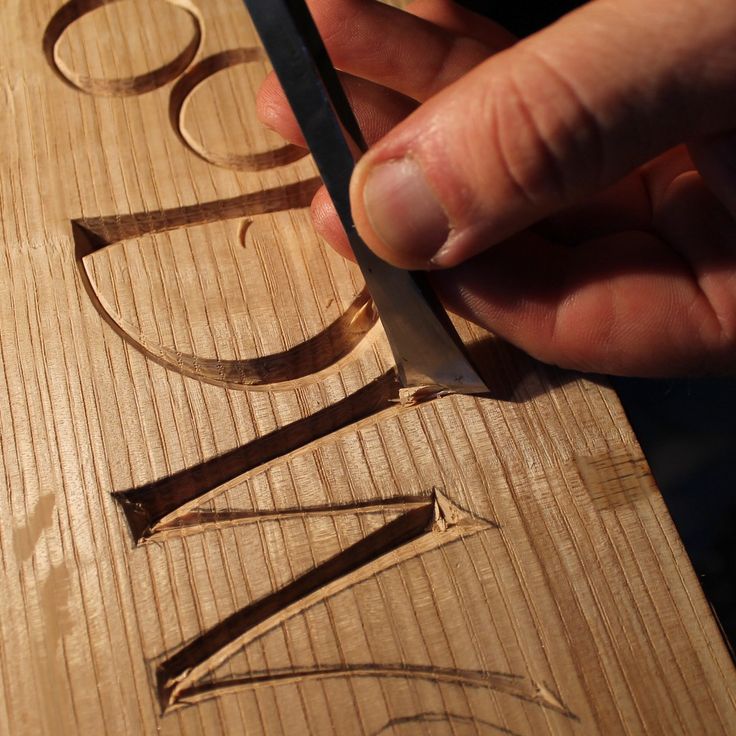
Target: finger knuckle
549, 143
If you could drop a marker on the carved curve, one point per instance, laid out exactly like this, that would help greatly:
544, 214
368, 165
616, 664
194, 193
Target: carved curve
505, 683
308, 358
137, 85
329, 349
179, 102
439, 717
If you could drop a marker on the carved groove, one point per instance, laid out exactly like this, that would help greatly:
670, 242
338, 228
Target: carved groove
436, 521
72, 11
443, 717
164, 502
104, 231
173, 672
179, 101
308, 358
197, 519
510, 684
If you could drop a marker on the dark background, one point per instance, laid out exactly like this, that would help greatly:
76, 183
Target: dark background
687, 428
688, 433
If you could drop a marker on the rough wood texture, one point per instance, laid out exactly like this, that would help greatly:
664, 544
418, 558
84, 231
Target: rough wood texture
216, 517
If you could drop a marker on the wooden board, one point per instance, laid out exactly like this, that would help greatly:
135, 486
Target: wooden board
215, 516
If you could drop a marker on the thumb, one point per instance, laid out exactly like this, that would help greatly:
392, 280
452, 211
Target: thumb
546, 123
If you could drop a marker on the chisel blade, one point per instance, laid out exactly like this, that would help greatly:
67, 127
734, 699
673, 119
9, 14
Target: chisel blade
427, 349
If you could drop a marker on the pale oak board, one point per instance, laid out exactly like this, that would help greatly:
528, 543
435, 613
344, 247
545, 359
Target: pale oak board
510, 565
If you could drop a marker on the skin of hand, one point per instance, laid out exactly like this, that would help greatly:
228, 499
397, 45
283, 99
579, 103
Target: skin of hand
573, 192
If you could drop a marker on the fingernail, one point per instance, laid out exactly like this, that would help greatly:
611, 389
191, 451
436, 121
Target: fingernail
404, 211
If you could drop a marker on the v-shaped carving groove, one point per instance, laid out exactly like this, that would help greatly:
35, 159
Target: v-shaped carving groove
161, 503
433, 522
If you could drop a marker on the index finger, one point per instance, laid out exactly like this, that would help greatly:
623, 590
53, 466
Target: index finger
379, 43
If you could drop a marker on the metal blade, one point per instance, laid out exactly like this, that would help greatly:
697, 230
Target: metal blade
426, 346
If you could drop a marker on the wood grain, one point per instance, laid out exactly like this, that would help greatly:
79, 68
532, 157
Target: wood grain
321, 559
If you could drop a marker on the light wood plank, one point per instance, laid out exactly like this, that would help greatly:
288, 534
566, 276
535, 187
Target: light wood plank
467, 565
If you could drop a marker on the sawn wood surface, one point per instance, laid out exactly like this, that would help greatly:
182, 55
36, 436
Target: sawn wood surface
216, 516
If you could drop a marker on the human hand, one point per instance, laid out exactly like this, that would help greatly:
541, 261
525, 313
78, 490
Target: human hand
574, 192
